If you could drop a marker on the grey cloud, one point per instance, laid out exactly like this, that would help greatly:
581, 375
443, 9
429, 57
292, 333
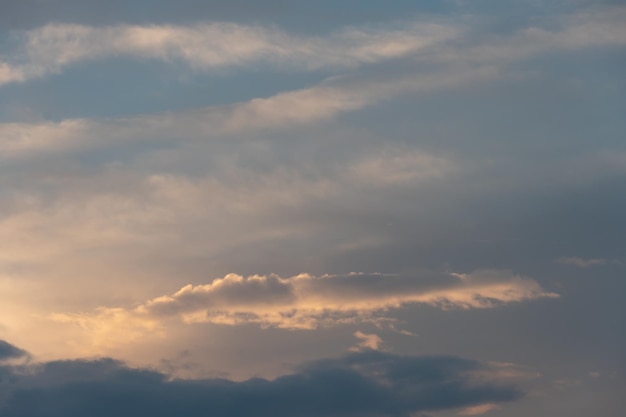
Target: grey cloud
367, 383
581, 262
8, 351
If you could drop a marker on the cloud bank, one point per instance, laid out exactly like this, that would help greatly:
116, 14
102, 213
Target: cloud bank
368, 383
8, 351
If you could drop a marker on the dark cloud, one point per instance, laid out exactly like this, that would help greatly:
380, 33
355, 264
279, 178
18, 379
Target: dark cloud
368, 383
8, 351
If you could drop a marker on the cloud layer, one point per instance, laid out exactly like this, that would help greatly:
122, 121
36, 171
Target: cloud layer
367, 383
8, 351
144, 153
51, 48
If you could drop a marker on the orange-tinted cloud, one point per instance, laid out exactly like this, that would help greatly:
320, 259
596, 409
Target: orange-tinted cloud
307, 302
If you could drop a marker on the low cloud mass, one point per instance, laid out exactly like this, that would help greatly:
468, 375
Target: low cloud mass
368, 383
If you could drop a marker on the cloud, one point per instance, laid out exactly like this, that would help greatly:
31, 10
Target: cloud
367, 341
595, 28
131, 210
212, 45
134, 227
8, 351
21, 138
367, 383
321, 102
398, 167
478, 409
447, 65
308, 302
582, 263
51, 48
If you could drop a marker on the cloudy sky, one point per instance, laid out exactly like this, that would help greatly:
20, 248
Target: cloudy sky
315, 209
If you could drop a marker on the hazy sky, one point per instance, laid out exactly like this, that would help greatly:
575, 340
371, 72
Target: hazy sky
319, 209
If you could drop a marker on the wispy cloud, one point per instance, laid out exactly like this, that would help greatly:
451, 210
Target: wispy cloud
202, 47
478, 409
293, 108
367, 341
51, 48
597, 28
213, 45
125, 210
584, 263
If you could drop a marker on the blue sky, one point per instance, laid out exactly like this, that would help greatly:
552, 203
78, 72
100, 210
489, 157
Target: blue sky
204, 200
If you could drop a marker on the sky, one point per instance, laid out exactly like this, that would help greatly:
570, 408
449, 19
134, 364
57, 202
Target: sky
312, 209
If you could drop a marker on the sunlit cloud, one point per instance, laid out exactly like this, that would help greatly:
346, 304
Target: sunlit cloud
308, 302
478, 409
136, 211
367, 341
144, 156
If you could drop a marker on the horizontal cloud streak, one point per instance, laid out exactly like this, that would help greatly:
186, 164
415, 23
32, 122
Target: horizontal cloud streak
599, 28
307, 302
586, 263
293, 108
50, 48
465, 63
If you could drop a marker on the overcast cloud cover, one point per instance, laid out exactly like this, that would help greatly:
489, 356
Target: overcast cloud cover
322, 208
